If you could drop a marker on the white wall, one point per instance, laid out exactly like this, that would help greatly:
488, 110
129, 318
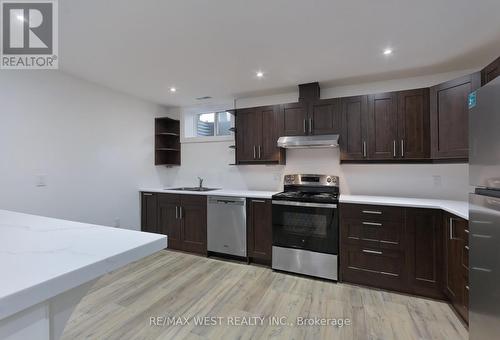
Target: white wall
93, 146
210, 160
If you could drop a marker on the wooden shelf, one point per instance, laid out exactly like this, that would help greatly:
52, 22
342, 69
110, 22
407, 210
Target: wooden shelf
167, 142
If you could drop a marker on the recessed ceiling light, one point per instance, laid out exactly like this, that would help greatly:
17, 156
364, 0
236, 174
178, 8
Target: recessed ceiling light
388, 51
260, 74
173, 89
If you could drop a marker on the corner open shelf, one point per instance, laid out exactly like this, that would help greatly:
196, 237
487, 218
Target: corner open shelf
167, 141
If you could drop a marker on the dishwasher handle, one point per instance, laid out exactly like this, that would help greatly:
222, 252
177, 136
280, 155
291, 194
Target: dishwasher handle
219, 200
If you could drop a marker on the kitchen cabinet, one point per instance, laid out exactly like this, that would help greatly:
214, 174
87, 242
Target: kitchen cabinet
372, 250
456, 263
257, 132
449, 113
149, 212
490, 72
382, 126
259, 231
183, 218
325, 117
353, 138
294, 119
414, 124
425, 250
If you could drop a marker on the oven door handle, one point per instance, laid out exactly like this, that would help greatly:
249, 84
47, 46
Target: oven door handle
306, 204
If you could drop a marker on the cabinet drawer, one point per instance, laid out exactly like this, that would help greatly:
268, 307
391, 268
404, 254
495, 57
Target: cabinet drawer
169, 198
372, 212
372, 233
375, 267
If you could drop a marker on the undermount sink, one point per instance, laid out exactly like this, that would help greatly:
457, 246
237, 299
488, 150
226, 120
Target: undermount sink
194, 189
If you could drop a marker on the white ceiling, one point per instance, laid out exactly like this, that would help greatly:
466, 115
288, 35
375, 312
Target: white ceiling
213, 48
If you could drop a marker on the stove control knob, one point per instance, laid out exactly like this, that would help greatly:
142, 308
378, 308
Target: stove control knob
329, 180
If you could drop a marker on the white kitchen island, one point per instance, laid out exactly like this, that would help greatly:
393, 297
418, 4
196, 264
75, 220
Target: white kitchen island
47, 265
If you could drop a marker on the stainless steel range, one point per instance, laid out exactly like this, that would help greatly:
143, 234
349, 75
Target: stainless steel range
306, 226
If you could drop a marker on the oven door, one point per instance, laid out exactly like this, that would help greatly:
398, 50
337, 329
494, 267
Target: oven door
303, 225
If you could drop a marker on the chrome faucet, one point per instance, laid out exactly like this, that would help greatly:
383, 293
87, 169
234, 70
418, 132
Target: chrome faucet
201, 182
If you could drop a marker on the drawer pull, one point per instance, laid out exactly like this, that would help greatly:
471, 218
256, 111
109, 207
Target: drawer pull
467, 247
258, 201
372, 212
467, 287
373, 223
147, 194
466, 231
372, 252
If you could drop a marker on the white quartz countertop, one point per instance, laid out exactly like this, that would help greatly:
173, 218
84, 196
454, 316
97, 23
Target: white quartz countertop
458, 208
218, 192
42, 257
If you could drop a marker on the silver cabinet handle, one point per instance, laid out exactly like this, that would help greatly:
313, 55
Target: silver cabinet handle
373, 223
310, 125
466, 247
147, 194
364, 148
254, 152
260, 151
451, 228
176, 212
372, 252
258, 201
305, 122
374, 212
466, 287
402, 148
394, 148
180, 213
466, 231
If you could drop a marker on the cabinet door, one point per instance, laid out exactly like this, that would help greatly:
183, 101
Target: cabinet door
425, 248
194, 223
295, 119
382, 128
414, 124
272, 129
149, 212
169, 222
490, 72
455, 284
449, 113
248, 134
325, 117
259, 230
353, 143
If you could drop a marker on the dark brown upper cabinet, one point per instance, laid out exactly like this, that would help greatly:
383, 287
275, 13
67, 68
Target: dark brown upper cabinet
353, 138
414, 124
449, 114
490, 72
311, 115
257, 133
324, 117
295, 119
382, 126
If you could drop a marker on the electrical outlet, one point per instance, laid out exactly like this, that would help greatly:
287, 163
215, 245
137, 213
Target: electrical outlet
437, 180
41, 180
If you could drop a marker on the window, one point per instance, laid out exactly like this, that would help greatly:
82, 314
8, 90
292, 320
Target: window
213, 124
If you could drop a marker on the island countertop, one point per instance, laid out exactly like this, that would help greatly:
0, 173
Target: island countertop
42, 257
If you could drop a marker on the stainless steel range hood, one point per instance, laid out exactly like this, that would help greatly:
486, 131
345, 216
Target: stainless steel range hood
305, 142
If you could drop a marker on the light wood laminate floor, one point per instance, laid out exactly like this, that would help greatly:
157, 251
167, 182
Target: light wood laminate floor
172, 284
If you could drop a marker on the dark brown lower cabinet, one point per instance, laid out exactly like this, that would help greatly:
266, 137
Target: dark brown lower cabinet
456, 256
259, 231
425, 250
411, 250
183, 218
149, 212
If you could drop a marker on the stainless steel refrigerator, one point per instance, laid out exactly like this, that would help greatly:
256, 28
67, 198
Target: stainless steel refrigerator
484, 212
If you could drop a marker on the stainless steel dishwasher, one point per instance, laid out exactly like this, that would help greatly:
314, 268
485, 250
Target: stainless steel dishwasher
227, 225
